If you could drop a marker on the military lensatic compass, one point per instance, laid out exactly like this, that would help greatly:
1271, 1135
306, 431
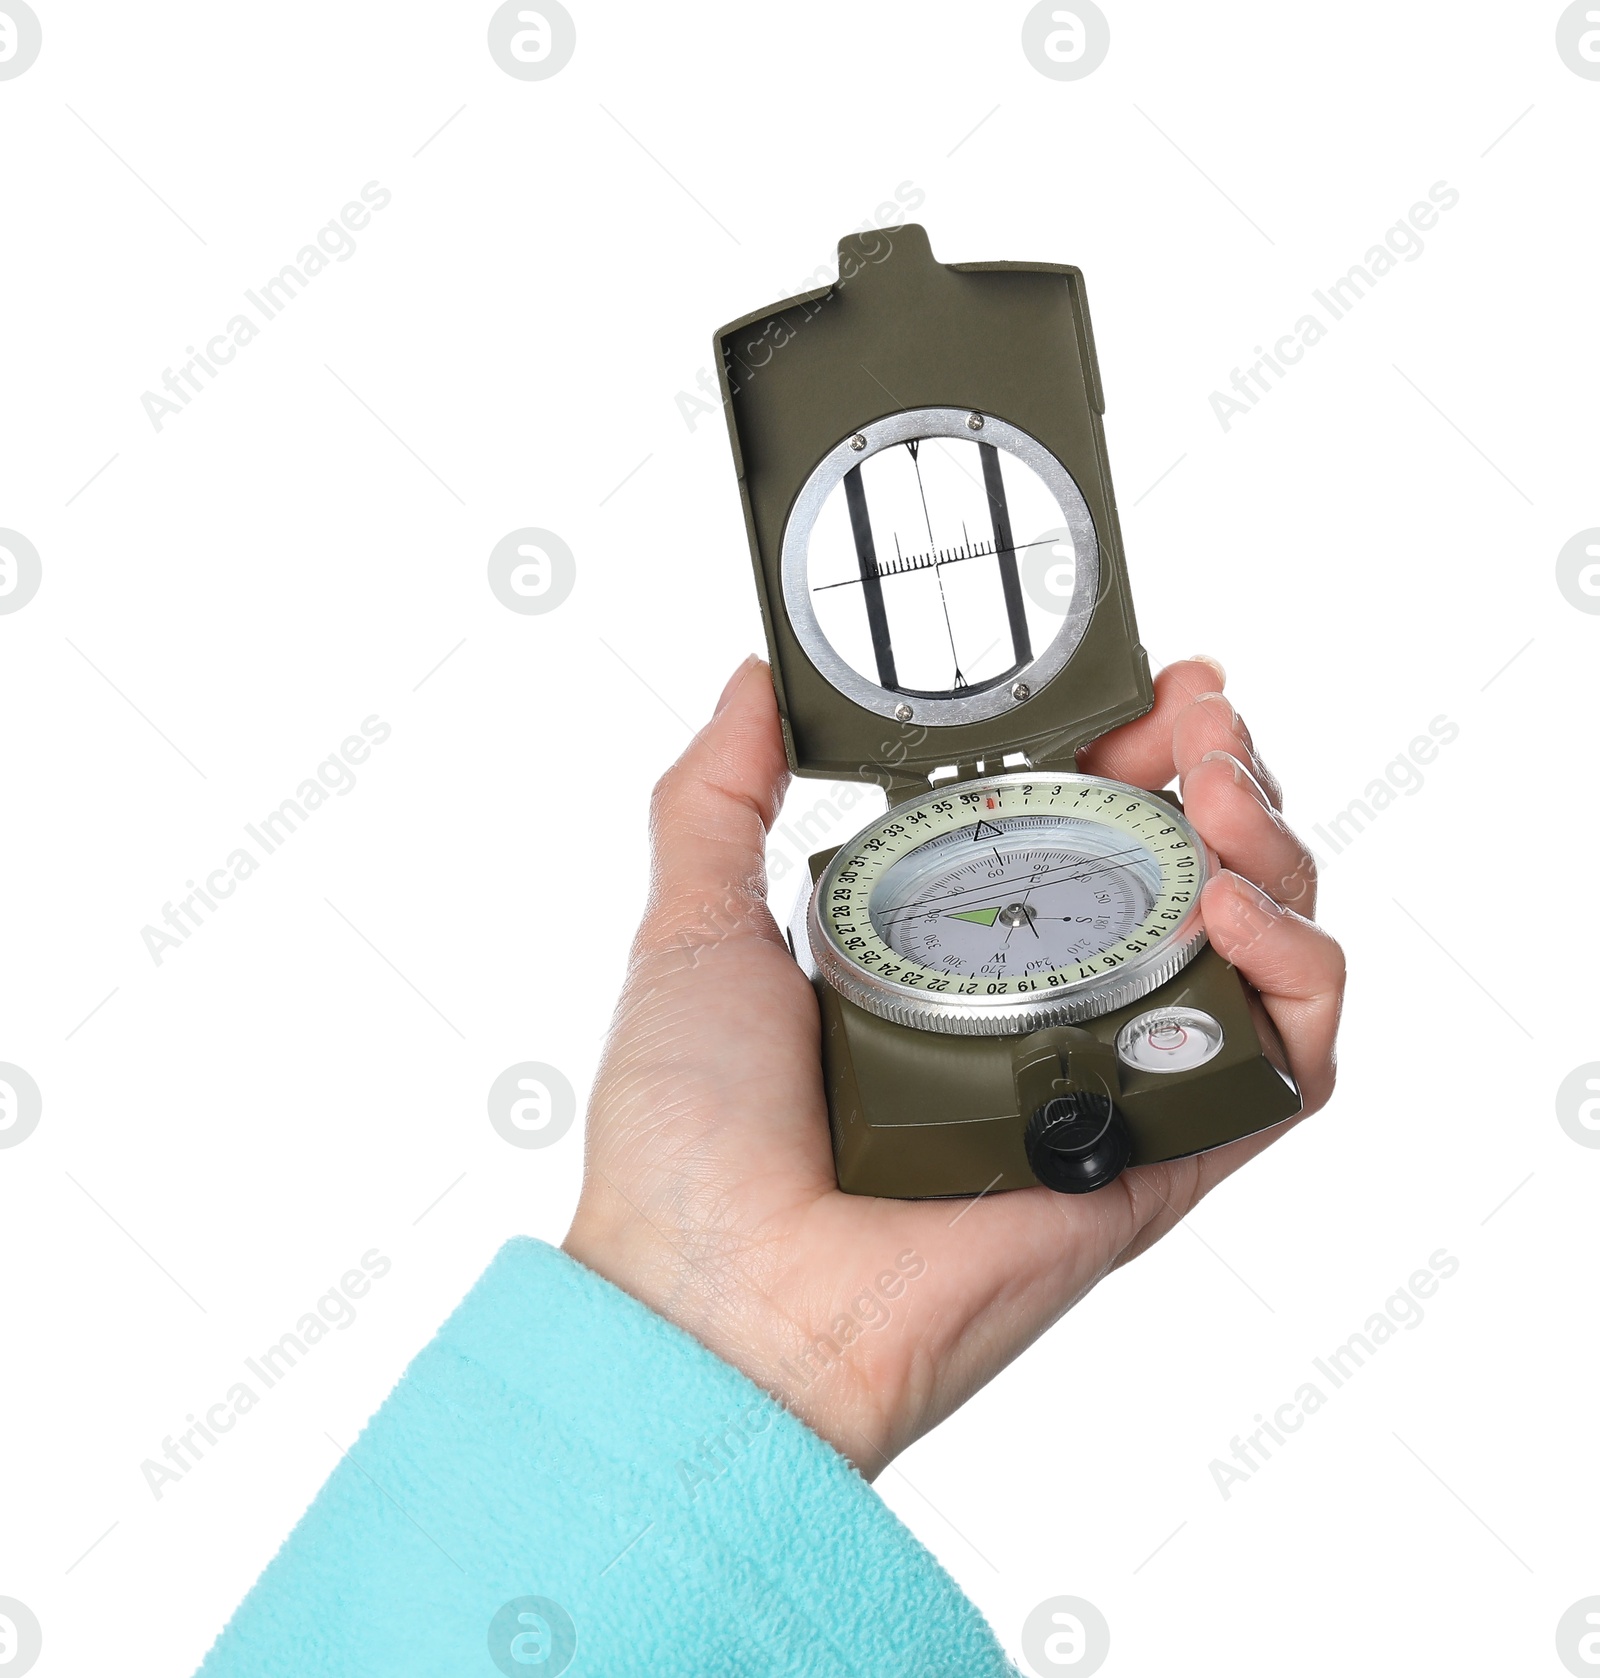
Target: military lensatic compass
1013, 973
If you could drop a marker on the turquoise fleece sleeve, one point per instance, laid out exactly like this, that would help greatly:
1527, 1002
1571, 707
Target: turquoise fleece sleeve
565, 1482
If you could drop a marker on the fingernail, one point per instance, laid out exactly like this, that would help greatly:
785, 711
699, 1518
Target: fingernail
1241, 776
1260, 900
1236, 723
1215, 663
1250, 896
733, 684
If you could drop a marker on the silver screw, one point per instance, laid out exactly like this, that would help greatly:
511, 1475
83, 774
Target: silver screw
974, 422
1020, 690
902, 713
858, 442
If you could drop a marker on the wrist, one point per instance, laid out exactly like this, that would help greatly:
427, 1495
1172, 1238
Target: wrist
713, 1299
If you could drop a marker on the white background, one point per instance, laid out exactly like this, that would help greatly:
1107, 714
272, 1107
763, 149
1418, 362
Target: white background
1371, 547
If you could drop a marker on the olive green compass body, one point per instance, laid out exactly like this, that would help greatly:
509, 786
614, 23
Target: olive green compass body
1013, 975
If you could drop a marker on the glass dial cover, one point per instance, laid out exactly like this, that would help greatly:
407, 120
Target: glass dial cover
1004, 905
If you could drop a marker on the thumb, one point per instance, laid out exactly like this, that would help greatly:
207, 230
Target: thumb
709, 816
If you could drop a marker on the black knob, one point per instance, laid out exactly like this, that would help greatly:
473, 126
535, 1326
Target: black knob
1077, 1143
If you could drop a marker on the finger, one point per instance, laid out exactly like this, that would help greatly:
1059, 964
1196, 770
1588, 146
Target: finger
1233, 814
709, 816
1163, 1195
1211, 724
1298, 969
1140, 752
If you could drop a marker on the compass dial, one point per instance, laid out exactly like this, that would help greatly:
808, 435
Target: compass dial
1007, 904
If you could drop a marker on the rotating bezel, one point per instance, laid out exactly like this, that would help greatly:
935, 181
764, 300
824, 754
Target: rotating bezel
1010, 1013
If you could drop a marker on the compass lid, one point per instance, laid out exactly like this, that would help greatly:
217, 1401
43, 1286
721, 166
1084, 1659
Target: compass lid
930, 512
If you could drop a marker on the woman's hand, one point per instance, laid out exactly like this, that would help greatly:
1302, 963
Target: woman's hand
709, 1191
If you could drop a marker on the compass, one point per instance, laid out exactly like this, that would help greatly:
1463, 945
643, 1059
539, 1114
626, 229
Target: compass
1019, 903
1011, 965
